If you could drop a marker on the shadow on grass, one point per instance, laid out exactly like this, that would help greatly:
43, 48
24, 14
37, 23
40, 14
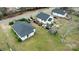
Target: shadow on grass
18, 39
15, 35
75, 49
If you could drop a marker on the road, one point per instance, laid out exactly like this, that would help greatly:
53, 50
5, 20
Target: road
26, 15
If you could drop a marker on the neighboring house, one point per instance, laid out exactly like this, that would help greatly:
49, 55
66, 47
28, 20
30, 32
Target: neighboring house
44, 18
75, 9
59, 13
23, 30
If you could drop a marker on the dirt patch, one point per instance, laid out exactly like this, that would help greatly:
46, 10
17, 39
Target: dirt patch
4, 27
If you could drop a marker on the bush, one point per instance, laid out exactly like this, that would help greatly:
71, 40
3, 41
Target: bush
28, 20
31, 17
53, 30
48, 26
75, 49
11, 23
25, 20
77, 14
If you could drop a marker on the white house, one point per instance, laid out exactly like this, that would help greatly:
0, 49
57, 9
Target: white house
59, 13
23, 30
44, 18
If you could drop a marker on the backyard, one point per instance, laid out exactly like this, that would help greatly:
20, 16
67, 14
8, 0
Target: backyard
42, 40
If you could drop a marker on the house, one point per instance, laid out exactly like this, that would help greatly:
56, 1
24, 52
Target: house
59, 13
23, 30
76, 9
44, 18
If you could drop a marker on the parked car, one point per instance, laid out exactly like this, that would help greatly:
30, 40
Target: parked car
37, 22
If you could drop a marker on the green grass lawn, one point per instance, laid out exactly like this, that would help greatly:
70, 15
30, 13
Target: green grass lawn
73, 36
75, 18
3, 40
41, 41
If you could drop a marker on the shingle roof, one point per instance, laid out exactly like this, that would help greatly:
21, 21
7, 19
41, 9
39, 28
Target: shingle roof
22, 28
43, 16
59, 11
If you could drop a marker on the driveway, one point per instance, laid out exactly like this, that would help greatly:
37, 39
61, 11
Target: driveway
26, 15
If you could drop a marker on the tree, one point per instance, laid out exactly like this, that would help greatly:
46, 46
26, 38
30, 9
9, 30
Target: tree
22, 9
53, 30
3, 12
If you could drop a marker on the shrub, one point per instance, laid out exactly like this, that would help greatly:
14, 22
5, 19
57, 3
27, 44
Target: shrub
11, 23
28, 20
25, 20
75, 49
53, 30
31, 17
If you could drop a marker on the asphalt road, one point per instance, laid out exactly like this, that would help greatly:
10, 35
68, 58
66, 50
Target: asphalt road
26, 15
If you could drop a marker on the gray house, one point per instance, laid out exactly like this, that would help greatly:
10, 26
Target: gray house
44, 18
23, 30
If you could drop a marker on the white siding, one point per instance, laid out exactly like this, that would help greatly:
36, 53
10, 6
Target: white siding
49, 22
31, 34
38, 19
59, 15
34, 30
45, 22
23, 38
41, 21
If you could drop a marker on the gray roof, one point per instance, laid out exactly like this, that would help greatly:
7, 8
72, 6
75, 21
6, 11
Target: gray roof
43, 16
59, 11
22, 28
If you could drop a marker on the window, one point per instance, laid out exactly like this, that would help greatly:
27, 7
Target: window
49, 19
